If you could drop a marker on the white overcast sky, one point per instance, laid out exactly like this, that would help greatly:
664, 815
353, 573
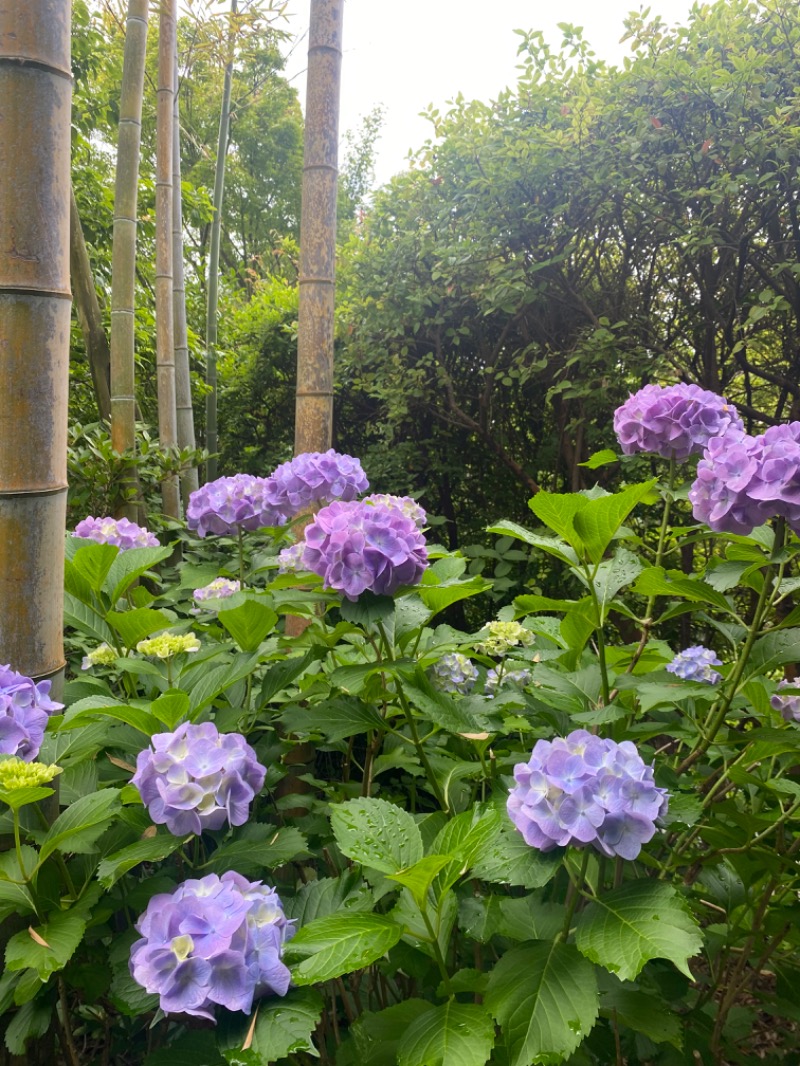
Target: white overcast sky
408, 54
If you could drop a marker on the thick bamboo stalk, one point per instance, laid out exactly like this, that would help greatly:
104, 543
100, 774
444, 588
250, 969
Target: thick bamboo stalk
165, 332
314, 397
212, 440
35, 99
183, 378
123, 254
90, 315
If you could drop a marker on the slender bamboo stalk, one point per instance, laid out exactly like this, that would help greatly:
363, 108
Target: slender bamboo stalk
35, 87
90, 316
165, 331
212, 440
314, 397
183, 380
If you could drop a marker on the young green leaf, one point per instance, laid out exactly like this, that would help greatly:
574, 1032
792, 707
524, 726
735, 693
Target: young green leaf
453, 1034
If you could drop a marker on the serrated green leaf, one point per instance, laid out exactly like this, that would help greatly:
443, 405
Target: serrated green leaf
643, 1012
329, 895
508, 860
77, 828
600, 520
92, 562
601, 458
170, 708
249, 624
340, 944
614, 574
334, 719
443, 710
439, 597
137, 624
258, 847
31, 1020
377, 1035
623, 929
368, 608
78, 615
656, 581
280, 675
377, 834
454, 1034
544, 997
49, 946
281, 1027
129, 567
94, 707
218, 680
419, 877
553, 546
151, 849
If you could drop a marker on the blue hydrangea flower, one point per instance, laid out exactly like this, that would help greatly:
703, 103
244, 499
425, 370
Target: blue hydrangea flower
118, 531
213, 941
197, 778
694, 664
494, 680
221, 588
455, 673
406, 504
789, 706
24, 710
314, 477
231, 504
582, 789
673, 420
290, 559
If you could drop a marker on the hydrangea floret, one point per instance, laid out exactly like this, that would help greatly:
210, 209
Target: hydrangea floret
694, 664
102, 655
582, 789
215, 941
118, 531
197, 778
314, 477
494, 680
167, 645
221, 588
673, 421
357, 546
25, 706
16, 773
788, 705
230, 505
290, 559
743, 482
503, 636
455, 673
407, 504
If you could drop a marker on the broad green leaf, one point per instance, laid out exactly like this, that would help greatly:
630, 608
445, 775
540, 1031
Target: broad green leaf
368, 608
217, 680
94, 707
438, 597
613, 575
170, 708
508, 860
377, 834
376, 1036
334, 719
655, 581
15, 897
353, 678
129, 566
329, 895
601, 458
522, 918
137, 624
151, 849
258, 847
773, 649
600, 520
17, 798
333, 946
464, 836
559, 548
31, 1020
280, 675
454, 1034
77, 828
544, 996
557, 510
446, 712
80, 616
93, 562
419, 877
643, 1012
623, 929
49, 946
249, 624
279, 1027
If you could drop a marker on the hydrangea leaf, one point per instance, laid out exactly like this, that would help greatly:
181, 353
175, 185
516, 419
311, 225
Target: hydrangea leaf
92, 563
129, 566
544, 997
259, 847
329, 895
453, 1034
377, 834
249, 623
642, 1011
80, 616
367, 608
105, 707
419, 877
77, 828
508, 860
656, 581
281, 674
340, 944
334, 719
151, 849
137, 624
278, 1027
377, 1035
623, 929
48, 947
191, 1049
599, 521
553, 546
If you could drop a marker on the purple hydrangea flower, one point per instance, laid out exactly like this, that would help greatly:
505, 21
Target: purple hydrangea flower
455, 673
518, 678
231, 504
359, 546
789, 706
290, 559
198, 778
118, 531
217, 940
314, 477
743, 482
694, 664
673, 420
24, 709
218, 589
406, 504
581, 790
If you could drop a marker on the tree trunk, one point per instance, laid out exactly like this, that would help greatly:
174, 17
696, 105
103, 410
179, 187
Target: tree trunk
314, 402
165, 331
212, 441
90, 315
35, 89
123, 255
183, 378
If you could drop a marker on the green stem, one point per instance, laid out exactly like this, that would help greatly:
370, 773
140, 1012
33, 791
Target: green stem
575, 895
18, 847
437, 951
241, 556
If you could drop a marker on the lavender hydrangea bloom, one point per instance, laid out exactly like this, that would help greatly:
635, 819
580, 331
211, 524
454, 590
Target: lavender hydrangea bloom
518, 678
231, 504
118, 531
789, 706
406, 504
217, 940
314, 477
218, 589
455, 673
580, 790
694, 664
24, 709
290, 559
198, 778
674, 421
358, 546
743, 482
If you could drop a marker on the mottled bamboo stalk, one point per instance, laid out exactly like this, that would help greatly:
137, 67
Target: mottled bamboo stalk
314, 397
90, 315
212, 440
36, 91
183, 378
165, 332
123, 254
